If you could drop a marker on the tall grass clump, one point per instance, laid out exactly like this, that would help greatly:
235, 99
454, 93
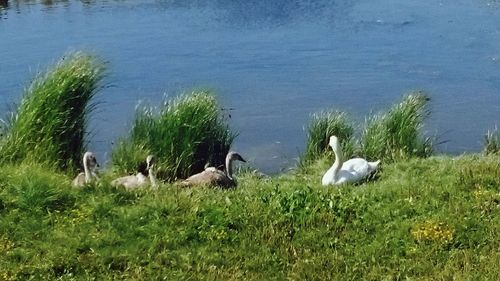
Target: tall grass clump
185, 134
396, 134
492, 142
50, 124
323, 125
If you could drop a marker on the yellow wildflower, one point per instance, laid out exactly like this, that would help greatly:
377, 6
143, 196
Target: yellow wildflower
432, 231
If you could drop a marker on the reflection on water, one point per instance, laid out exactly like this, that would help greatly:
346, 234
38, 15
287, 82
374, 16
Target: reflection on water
269, 13
274, 62
4, 5
18, 4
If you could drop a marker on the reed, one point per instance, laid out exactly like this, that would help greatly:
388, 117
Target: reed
185, 134
49, 126
396, 134
323, 125
492, 142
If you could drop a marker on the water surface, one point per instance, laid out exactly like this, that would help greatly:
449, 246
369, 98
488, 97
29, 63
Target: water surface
274, 63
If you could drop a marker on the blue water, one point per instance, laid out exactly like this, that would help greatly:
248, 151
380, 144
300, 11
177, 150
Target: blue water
274, 63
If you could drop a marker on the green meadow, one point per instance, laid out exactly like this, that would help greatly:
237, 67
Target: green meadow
422, 216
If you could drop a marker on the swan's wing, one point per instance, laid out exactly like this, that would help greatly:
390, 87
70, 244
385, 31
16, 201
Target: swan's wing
356, 166
202, 178
209, 177
349, 177
126, 181
79, 180
353, 170
211, 169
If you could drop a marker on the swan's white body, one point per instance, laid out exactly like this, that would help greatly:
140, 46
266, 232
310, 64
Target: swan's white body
350, 171
89, 170
212, 176
139, 180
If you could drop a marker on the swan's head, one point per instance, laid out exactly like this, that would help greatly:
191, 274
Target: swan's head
334, 141
90, 160
235, 156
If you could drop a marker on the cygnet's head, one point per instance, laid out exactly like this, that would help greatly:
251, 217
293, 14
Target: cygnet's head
150, 161
90, 160
235, 156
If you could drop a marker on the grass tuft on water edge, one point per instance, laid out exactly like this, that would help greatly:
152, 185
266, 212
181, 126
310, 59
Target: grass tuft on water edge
492, 142
49, 126
185, 134
396, 134
323, 125
389, 136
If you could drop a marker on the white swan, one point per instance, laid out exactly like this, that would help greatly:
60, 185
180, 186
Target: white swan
212, 176
352, 170
139, 180
89, 167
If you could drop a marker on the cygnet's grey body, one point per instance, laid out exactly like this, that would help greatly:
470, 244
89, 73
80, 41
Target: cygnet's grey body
212, 176
139, 180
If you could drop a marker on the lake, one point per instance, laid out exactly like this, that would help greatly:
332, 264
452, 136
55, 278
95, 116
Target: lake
273, 63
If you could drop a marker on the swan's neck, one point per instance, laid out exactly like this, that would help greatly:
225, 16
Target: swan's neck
86, 170
338, 161
229, 168
152, 178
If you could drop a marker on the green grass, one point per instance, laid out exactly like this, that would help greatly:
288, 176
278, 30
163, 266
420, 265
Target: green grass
185, 134
50, 124
423, 219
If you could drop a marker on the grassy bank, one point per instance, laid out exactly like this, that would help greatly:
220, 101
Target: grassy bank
431, 219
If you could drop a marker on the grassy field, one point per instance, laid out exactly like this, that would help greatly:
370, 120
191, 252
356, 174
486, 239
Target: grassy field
421, 217
424, 219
